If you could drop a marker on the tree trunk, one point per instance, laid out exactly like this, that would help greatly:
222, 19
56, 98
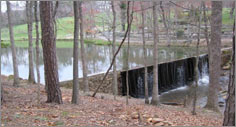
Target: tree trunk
196, 63
127, 59
37, 46
14, 58
49, 53
155, 98
1, 93
29, 15
83, 54
75, 93
123, 14
144, 56
229, 114
214, 55
114, 87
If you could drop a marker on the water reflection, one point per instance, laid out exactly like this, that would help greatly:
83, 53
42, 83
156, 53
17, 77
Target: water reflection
98, 59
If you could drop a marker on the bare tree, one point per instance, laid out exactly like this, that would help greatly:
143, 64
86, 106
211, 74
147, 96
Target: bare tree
145, 56
214, 55
196, 63
83, 54
114, 57
75, 93
155, 98
114, 87
29, 13
37, 45
49, 53
14, 58
229, 114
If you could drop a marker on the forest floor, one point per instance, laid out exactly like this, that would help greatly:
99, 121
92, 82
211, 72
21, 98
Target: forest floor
21, 108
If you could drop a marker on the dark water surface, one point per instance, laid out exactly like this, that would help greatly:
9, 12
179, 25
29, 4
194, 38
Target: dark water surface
98, 59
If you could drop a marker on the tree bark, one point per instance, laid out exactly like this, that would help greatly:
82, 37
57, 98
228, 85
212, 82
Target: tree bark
229, 114
196, 63
14, 58
49, 53
83, 54
155, 98
114, 87
29, 15
75, 93
144, 56
37, 47
214, 55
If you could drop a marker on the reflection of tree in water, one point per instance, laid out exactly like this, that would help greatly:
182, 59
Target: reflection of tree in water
64, 56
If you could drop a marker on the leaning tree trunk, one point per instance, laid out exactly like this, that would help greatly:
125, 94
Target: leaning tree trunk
155, 98
29, 15
75, 93
83, 54
14, 58
145, 56
49, 53
114, 85
214, 55
37, 47
229, 115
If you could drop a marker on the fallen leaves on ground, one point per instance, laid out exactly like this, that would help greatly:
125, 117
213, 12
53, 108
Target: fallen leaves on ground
21, 108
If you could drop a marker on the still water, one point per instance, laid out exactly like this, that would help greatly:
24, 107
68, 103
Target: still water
98, 59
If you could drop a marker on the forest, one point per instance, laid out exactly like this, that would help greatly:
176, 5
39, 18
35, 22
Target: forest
117, 63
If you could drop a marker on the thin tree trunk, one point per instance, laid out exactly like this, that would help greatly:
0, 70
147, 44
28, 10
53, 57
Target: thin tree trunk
37, 47
155, 98
54, 18
14, 58
29, 14
83, 54
214, 55
196, 63
144, 56
1, 57
229, 114
114, 87
49, 53
75, 93
127, 59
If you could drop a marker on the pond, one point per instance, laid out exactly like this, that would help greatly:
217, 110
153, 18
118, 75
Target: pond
98, 59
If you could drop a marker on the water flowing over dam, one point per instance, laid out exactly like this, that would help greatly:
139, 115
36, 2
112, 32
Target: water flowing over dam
171, 75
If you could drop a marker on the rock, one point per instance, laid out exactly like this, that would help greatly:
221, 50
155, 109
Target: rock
134, 115
149, 120
159, 124
156, 120
227, 67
